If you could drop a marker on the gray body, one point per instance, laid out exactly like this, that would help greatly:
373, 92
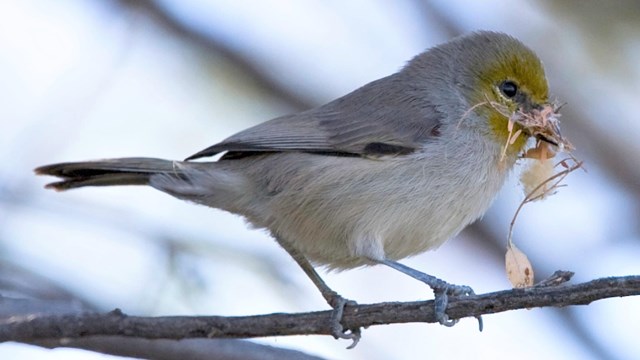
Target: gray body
390, 170
345, 211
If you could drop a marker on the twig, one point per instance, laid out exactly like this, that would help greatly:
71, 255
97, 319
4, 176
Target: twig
31, 328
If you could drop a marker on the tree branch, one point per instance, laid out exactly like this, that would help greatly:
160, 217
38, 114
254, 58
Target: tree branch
27, 328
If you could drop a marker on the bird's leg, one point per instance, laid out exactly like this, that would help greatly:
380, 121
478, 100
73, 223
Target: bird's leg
334, 300
441, 289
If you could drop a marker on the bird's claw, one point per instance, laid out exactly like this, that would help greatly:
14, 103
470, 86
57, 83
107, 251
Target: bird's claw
338, 331
441, 301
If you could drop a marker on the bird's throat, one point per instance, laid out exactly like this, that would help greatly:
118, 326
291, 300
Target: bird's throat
512, 138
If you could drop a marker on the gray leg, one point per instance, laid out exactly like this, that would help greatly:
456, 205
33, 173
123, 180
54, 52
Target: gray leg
441, 289
334, 300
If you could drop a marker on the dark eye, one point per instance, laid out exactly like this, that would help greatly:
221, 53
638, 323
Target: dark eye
509, 89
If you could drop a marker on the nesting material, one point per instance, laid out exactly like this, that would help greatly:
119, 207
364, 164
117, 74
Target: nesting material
539, 179
544, 124
535, 174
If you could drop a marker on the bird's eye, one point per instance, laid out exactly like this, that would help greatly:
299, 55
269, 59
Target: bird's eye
509, 89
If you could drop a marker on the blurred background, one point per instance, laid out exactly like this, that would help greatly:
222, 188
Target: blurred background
86, 79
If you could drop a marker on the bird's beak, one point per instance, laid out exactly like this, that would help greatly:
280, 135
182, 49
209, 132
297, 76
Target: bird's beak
546, 139
553, 137
542, 123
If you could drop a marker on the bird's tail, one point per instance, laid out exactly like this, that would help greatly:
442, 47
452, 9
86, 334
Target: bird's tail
124, 171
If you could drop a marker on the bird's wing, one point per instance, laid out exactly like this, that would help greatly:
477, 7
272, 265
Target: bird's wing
381, 118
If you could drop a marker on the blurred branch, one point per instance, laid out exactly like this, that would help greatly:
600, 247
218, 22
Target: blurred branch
163, 17
192, 349
18, 281
616, 156
434, 16
37, 327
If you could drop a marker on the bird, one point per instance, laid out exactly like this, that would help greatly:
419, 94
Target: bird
391, 170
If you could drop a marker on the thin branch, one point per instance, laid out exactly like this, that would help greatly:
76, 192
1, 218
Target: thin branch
35, 327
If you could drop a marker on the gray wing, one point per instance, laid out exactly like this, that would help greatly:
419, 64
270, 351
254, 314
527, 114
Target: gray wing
385, 117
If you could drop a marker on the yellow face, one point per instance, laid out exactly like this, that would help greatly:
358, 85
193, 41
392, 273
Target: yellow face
513, 81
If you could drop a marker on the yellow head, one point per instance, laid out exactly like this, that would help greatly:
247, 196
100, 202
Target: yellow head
496, 76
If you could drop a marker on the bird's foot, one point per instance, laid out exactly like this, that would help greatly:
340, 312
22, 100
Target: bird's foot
338, 303
442, 290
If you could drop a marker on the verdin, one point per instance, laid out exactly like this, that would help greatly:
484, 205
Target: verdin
388, 171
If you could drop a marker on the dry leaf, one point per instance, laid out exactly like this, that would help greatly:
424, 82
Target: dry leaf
519, 269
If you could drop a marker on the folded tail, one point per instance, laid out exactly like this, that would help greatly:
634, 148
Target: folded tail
124, 171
